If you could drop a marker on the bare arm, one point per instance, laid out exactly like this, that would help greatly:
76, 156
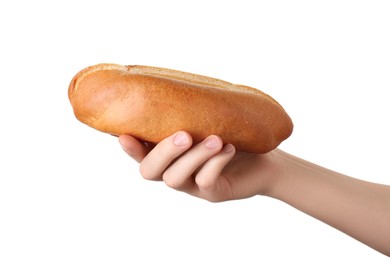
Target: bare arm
358, 208
215, 172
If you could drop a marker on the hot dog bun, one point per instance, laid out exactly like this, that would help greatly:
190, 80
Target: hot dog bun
152, 103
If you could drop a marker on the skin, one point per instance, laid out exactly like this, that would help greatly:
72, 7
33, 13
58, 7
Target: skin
216, 172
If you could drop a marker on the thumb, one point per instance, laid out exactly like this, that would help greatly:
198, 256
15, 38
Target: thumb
133, 147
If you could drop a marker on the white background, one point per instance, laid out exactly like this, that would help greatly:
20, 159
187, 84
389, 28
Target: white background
70, 192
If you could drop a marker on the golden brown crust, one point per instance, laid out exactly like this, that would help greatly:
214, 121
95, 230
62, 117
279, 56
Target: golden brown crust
152, 103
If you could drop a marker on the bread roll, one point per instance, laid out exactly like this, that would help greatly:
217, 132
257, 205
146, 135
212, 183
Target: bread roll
152, 103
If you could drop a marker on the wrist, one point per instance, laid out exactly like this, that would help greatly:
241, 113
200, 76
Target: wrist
272, 165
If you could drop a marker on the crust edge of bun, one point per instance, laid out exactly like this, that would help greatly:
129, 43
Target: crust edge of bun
171, 74
74, 84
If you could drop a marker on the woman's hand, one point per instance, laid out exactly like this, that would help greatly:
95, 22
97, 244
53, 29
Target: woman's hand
209, 170
215, 172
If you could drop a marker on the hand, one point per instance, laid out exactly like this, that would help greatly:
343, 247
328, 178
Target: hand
216, 173
209, 170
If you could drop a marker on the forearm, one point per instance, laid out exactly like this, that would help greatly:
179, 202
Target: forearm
355, 207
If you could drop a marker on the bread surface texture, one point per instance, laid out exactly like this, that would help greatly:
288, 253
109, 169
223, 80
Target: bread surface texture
152, 103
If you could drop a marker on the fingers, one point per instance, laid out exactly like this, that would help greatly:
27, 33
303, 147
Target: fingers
175, 163
133, 147
207, 177
178, 175
163, 154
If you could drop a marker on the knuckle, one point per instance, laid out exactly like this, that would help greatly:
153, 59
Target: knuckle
203, 183
145, 173
173, 183
214, 200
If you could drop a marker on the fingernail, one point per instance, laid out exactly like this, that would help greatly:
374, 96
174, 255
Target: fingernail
228, 148
123, 146
212, 142
127, 149
181, 139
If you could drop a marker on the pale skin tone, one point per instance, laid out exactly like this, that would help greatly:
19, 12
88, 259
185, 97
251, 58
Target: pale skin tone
216, 172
